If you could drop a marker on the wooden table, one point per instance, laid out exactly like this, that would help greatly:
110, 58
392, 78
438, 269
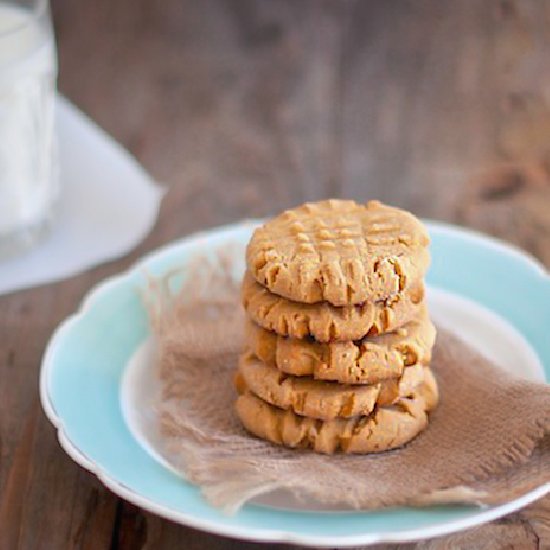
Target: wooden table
244, 108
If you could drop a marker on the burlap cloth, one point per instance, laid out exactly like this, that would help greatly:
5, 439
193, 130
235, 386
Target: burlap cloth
487, 442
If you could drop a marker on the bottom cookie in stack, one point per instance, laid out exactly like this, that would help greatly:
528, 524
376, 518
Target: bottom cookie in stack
328, 416
386, 427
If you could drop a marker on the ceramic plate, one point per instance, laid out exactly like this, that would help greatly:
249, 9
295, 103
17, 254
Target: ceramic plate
95, 370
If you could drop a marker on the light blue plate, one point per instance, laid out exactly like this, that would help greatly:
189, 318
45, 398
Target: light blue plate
85, 359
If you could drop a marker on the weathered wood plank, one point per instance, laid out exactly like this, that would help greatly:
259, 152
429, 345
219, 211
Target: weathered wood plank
510, 197
415, 94
444, 112
240, 125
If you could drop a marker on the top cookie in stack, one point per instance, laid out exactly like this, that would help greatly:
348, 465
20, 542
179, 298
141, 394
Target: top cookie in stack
340, 252
338, 338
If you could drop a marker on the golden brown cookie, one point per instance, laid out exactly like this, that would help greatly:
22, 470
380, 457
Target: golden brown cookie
365, 361
325, 322
385, 428
324, 400
339, 251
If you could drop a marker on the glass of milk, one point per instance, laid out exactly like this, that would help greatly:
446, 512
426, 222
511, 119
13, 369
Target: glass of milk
28, 168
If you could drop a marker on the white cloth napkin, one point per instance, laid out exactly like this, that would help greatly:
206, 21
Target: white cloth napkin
108, 205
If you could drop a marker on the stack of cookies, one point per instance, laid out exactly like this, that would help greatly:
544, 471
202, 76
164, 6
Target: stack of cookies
338, 336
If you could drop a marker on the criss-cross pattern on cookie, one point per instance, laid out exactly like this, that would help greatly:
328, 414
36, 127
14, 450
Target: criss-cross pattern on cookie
339, 251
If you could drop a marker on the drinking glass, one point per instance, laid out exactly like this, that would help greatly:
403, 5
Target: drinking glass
29, 183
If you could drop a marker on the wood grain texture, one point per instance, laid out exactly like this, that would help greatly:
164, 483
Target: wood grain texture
245, 107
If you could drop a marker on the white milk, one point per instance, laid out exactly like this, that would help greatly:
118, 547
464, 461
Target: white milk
28, 178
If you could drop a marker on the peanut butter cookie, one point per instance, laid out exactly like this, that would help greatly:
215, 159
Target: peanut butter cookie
325, 322
385, 428
324, 400
340, 252
364, 361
